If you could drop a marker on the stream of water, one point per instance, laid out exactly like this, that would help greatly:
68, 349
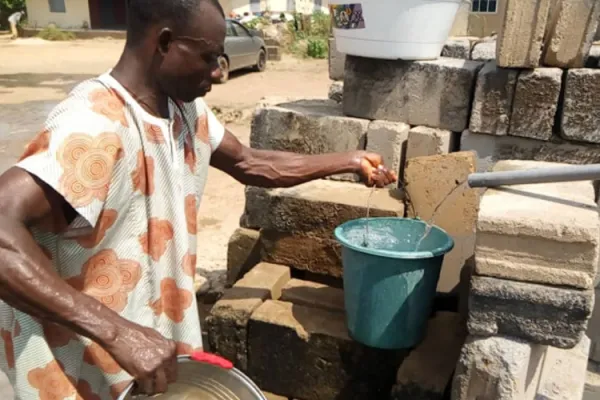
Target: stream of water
367, 240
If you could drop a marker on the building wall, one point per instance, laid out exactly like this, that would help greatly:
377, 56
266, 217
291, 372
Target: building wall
77, 14
275, 6
461, 21
484, 24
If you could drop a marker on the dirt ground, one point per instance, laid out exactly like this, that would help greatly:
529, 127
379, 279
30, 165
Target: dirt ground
35, 75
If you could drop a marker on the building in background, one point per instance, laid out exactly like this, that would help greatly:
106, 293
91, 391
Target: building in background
274, 6
479, 18
77, 14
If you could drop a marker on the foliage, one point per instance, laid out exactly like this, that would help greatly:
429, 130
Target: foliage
7, 7
317, 48
310, 34
54, 34
254, 23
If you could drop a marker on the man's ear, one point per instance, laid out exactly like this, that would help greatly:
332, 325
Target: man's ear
165, 37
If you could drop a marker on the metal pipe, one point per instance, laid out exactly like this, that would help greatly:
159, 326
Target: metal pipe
571, 173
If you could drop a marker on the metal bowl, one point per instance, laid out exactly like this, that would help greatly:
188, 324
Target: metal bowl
204, 381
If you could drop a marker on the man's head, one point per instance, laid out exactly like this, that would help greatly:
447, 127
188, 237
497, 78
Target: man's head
181, 41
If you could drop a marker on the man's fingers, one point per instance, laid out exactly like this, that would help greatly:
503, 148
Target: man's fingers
161, 383
146, 386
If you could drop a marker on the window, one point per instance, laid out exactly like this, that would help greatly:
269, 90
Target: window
484, 6
57, 6
239, 30
230, 30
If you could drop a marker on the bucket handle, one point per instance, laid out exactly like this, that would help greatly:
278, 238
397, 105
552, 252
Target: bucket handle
198, 356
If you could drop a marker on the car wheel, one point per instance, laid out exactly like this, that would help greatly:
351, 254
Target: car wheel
224, 67
261, 63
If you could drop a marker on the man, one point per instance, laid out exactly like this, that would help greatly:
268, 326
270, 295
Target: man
98, 219
13, 21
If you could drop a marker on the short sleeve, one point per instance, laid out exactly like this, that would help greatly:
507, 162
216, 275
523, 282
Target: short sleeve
216, 130
79, 151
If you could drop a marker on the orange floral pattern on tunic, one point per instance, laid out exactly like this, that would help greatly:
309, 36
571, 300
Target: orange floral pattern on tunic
105, 222
189, 264
108, 279
191, 214
143, 175
202, 128
189, 154
96, 355
9, 348
154, 242
118, 388
173, 301
39, 144
52, 382
57, 335
177, 125
153, 133
184, 349
84, 391
109, 103
88, 163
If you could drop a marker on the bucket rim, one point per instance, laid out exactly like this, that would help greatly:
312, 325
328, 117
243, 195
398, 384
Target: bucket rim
405, 255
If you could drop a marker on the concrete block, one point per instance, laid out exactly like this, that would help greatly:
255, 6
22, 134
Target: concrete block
540, 314
564, 372
337, 62
313, 294
424, 141
433, 93
581, 106
592, 382
227, 324
303, 352
484, 51
593, 57
388, 139
273, 53
303, 252
521, 35
492, 104
430, 184
267, 277
491, 149
336, 91
498, 368
317, 207
426, 372
571, 28
593, 331
313, 126
271, 396
535, 103
542, 233
457, 47
243, 253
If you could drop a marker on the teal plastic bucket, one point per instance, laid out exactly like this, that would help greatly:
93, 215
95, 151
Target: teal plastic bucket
389, 288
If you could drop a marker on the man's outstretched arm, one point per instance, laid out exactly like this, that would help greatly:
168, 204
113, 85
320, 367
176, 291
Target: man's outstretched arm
29, 283
266, 168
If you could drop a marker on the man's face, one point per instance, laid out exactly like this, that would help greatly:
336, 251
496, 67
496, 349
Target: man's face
190, 61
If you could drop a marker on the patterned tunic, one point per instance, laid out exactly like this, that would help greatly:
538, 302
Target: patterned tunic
135, 181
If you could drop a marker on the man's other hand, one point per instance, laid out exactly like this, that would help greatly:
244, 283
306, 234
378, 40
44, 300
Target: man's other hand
371, 170
147, 356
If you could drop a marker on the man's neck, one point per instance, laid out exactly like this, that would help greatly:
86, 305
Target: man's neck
135, 76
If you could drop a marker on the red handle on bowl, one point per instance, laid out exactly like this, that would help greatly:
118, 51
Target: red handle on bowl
212, 359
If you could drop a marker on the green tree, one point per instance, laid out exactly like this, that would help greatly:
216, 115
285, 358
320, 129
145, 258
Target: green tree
7, 7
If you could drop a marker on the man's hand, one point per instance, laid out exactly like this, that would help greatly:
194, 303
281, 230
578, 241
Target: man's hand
372, 171
146, 355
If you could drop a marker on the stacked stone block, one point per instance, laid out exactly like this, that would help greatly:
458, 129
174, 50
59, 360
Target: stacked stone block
531, 293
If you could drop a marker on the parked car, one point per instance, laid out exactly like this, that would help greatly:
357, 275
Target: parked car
244, 48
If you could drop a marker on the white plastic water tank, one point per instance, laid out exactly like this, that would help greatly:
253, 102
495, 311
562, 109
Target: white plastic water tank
393, 29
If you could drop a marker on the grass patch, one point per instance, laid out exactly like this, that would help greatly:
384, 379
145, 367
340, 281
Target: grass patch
54, 34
